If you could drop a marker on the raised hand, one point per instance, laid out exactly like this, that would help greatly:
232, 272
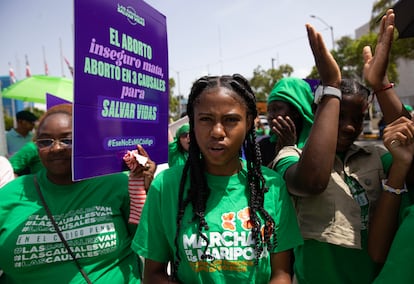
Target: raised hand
140, 165
327, 67
375, 66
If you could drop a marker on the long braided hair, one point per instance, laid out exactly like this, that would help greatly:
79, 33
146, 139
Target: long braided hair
199, 191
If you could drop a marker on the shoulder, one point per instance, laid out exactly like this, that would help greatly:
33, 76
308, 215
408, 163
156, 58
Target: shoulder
164, 189
288, 152
167, 182
11, 133
374, 148
170, 175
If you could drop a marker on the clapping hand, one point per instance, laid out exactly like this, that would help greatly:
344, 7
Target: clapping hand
375, 67
327, 67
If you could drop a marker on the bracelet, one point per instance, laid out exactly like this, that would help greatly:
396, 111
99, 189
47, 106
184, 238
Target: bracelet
386, 87
397, 191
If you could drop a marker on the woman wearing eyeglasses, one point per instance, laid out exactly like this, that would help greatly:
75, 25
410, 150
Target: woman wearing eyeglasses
84, 238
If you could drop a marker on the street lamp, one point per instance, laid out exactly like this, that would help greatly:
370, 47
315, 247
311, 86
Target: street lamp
329, 26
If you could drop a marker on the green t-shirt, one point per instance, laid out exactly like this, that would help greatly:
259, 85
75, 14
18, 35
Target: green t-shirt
227, 216
26, 159
398, 267
324, 263
92, 215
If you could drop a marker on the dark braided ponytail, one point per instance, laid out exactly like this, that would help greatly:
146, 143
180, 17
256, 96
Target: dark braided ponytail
199, 191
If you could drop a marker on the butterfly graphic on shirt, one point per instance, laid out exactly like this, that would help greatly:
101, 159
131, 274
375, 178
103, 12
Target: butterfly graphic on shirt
228, 221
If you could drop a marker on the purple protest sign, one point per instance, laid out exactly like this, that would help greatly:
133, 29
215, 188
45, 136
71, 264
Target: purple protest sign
313, 83
52, 100
121, 85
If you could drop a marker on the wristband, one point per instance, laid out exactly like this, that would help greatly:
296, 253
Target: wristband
397, 191
386, 87
322, 91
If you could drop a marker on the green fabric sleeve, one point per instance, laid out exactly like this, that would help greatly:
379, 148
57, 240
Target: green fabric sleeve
26, 158
386, 160
284, 164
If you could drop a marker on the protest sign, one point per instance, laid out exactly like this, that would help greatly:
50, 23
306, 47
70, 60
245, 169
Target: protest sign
121, 85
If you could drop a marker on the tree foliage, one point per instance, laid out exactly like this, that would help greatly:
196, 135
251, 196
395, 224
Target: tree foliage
173, 100
263, 81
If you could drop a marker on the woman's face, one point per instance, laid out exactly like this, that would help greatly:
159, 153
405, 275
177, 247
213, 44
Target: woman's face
56, 156
220, 126
185, 141
351, 117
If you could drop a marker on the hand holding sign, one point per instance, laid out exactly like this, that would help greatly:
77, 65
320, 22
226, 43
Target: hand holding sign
140, 165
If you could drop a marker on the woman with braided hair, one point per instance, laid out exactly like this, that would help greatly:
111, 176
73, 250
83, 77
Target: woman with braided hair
219, 218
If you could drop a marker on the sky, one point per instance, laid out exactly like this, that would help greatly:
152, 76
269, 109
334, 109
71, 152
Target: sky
204, 37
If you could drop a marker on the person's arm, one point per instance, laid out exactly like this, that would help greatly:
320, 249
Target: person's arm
281, 267
375, 71
384, 222
156, 272
140, 178
23, 159
170, 136
311, 174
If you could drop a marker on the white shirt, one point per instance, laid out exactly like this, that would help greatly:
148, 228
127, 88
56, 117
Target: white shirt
6, 171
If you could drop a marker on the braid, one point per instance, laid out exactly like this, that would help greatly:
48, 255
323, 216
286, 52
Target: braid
199, 191
256, 181
180, 215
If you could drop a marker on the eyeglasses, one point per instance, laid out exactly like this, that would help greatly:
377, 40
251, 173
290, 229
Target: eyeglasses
48, 142
184, 135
